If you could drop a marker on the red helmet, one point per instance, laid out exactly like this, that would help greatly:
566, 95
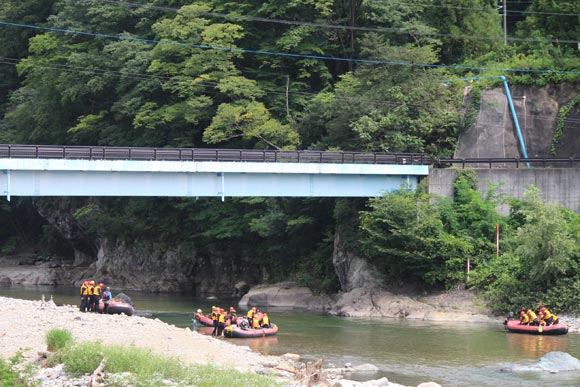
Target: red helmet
101, 285
92, 282
221, 310
232, 308
253, 308
522, 313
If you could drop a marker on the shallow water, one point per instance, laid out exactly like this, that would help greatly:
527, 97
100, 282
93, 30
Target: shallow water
406, 351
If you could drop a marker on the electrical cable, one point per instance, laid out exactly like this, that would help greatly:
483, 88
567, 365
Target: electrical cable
210, 84
339, 27
288, 54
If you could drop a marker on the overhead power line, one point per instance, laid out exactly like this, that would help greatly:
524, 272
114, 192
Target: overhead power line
478, 9
210, 84
335, 26
288, 54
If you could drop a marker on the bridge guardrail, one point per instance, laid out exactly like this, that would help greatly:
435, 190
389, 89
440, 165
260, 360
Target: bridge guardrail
205, 154
278, 156
537, 162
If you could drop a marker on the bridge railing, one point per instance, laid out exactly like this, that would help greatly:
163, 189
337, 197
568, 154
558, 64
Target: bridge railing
534, 162
204, 154
274, 156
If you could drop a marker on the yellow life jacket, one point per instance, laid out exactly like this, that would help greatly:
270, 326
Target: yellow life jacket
214, 315
532, 315
83, 290
250, 313
96, 291
524, 319
90, 290
256, 323
222, 317
265, 320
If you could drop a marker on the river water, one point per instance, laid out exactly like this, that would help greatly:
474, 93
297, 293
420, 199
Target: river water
406, 351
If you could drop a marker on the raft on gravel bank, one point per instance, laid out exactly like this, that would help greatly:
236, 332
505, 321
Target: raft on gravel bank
117, 307
234, 331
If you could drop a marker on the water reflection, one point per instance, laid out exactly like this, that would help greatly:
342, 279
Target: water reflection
536, 345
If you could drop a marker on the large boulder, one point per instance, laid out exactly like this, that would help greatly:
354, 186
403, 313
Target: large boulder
362, 302
285, 294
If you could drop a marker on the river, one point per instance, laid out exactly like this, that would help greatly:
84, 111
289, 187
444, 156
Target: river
406, 351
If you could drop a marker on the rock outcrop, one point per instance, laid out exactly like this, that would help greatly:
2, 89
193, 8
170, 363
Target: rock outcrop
286, 294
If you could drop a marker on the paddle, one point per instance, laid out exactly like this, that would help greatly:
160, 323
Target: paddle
540, 327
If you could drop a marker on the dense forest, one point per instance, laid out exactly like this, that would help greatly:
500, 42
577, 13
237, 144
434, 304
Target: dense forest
363, 75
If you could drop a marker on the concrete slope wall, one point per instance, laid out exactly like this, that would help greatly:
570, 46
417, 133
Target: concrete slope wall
560, 186
537, 108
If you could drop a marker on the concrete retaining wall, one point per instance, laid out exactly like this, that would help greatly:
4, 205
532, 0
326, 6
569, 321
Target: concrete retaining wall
559, 186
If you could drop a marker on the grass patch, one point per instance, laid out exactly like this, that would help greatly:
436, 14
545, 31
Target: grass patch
148, 369
58, 339
10, 376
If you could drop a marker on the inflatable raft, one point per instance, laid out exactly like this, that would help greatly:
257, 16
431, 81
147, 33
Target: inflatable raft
117, 307
205, 321
234, 331
515, 327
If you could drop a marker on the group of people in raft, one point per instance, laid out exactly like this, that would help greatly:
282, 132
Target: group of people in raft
92, 294
543, 317
254, 319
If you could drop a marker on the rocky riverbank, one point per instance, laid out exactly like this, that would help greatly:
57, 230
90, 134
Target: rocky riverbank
24, 325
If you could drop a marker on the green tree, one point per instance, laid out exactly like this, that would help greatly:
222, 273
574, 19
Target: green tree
470, 27
547, 248
405, 238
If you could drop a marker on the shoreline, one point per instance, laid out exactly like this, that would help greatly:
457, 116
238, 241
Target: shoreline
25, 323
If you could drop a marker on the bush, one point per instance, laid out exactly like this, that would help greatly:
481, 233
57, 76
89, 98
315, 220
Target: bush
58, 339
9, 377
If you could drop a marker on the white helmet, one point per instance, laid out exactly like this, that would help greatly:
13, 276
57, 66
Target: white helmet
199, 311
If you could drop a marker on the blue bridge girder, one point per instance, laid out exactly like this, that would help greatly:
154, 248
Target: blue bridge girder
31, 170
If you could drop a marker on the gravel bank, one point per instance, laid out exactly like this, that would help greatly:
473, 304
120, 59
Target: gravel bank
24, 325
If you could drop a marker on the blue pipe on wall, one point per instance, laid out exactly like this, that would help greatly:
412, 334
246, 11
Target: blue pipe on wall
512, 110
515, 117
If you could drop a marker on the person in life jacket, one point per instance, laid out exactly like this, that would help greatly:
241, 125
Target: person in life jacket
256, 320
215, 320
524, 319
97, 297
250, 316
265, 321
549, 317
532, 317
232, 316
84, 292
90, 288
221, 321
